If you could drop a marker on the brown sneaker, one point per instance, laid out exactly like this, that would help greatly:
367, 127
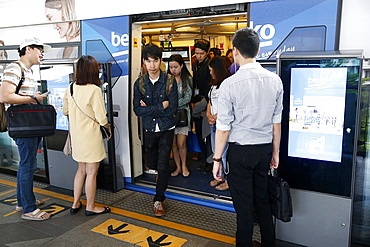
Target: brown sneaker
159, 209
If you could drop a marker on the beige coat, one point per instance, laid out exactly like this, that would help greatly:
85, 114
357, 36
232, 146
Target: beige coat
86, 138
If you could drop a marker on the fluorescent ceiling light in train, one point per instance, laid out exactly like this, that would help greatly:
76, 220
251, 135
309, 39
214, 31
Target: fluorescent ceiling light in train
158, 30
234, 24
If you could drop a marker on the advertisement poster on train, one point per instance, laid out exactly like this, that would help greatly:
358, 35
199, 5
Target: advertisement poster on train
316, 18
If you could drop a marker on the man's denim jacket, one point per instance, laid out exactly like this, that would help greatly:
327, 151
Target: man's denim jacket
153, 113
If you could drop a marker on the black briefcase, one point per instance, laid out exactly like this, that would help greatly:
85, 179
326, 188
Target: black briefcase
280, 198
31, 120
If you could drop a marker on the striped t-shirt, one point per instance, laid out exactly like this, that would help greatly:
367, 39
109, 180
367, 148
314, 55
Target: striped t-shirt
12, 73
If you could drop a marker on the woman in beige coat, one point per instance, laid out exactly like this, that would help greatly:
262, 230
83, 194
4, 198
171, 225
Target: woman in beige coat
86, 111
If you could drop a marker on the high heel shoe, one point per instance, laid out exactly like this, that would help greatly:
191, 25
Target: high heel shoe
75, 210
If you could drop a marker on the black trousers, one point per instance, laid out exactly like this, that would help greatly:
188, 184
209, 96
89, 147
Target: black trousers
248, 181
199, 133
158, 146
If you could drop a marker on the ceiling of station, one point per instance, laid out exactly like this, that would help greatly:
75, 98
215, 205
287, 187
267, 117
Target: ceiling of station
193, 24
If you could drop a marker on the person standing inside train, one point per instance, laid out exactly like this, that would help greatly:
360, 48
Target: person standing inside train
202, 84
219, 73
157, 104
249, 118
177, 68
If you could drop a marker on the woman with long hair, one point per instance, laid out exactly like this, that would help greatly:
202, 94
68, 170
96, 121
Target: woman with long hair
86, 111
219, 72
177, 68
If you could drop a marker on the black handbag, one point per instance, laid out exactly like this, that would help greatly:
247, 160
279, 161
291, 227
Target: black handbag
105, 132
280, 198
31, 120
182, 118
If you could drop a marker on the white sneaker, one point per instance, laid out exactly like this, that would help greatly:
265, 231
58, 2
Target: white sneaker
150, 171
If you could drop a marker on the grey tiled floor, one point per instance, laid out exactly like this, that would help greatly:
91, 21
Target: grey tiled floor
196, 223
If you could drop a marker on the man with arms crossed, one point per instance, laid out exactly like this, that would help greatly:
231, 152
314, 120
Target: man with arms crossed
249, 117
157, 105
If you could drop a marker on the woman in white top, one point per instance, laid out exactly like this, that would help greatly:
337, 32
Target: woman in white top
219, 72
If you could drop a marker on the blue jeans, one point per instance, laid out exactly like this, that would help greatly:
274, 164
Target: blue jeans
27, 148
213, 137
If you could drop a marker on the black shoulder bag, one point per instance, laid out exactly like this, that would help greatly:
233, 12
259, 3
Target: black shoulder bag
182, 114
30, 120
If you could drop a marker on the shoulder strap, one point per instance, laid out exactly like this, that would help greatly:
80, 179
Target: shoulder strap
169, 84
21, 80
71, 91
141, 84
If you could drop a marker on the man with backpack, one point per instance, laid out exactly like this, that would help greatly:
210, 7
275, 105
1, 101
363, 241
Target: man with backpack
156, 101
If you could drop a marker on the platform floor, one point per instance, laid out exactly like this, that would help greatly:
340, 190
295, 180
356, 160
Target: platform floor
131, 222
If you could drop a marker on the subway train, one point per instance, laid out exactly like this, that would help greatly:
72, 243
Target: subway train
115, 35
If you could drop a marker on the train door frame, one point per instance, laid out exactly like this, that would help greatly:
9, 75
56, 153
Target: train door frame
137, 166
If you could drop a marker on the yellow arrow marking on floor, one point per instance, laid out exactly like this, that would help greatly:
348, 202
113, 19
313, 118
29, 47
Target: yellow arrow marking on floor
136, 235
53, 209
10, 201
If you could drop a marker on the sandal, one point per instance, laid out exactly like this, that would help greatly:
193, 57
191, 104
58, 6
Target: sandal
37, 215
215, 182
223, 186
185, 175
175, 173
37, 203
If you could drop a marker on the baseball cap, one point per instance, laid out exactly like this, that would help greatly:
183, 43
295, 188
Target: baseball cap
34, 41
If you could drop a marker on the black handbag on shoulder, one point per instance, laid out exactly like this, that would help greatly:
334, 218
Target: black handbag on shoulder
182, 118
280, 198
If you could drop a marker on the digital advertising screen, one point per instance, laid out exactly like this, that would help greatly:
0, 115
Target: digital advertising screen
320, 120
316, 113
